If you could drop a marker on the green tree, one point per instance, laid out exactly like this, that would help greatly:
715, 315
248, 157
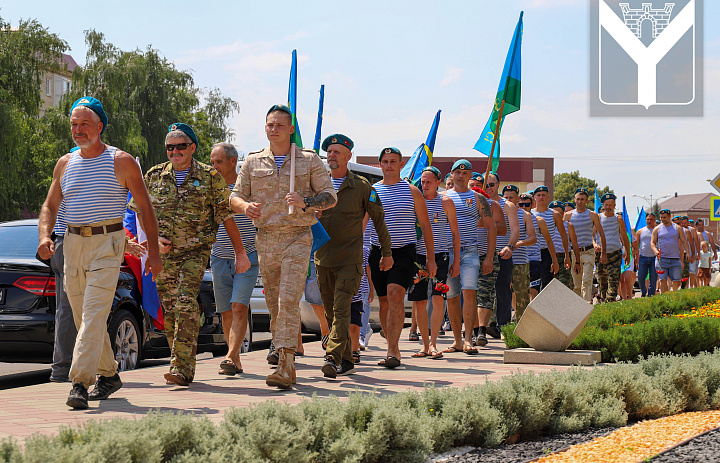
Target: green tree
27, 148
143, 93
565, 184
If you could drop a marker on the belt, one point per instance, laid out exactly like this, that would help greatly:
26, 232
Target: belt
87, 230
585, 248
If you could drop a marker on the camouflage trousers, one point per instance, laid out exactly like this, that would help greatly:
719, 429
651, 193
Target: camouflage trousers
283, 255
608, 275
521, 287
178, 286
486, 284
564, 274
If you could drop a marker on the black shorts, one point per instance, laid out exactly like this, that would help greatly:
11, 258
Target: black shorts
535, 266
356, 311
401, 273
419, 291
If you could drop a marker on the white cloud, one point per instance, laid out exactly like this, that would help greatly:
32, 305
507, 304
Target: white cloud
452, 74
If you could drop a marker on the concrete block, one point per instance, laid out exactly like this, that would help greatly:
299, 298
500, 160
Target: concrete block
554, 318
537, 357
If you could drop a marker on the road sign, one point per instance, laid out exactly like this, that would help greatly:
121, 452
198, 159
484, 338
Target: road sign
715, 208
715, 183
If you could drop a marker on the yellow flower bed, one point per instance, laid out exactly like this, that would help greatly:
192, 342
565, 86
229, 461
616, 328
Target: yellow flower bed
711, 310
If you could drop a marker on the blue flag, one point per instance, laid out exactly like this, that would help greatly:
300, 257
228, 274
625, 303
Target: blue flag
507, 98
598, 205
422, 157
641, 220
318, 128
628, 230
292, 101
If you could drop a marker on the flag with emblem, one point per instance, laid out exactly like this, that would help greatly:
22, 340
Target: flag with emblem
318, 127
422, 157
507, 100
292, 101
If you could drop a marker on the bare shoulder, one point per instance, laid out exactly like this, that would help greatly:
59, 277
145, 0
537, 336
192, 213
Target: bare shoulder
417, 194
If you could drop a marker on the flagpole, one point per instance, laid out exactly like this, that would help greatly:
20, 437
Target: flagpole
492, 149
292, 175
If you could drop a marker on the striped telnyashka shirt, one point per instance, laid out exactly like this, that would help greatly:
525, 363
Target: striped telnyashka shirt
399, 209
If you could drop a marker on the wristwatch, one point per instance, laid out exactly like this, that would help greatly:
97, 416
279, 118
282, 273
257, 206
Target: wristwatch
511, 246
307, 203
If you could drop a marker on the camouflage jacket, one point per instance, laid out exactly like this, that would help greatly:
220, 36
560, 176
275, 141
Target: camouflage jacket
188, 215
261, 181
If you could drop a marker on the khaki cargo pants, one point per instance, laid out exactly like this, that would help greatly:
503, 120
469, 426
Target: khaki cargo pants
283, 255
338, 285
92, 266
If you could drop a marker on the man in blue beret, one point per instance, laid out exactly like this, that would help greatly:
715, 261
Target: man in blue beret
93, 184
283, 239
191, 200
339, 263
608, 273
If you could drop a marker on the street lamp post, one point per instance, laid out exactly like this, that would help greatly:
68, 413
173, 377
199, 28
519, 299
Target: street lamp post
651, 202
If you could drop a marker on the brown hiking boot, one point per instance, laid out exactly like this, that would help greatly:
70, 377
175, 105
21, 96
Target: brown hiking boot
284, 375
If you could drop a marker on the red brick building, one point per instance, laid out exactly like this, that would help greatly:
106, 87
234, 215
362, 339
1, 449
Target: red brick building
526, 173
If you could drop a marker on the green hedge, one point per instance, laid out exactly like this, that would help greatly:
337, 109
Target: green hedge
392, 428
627, 330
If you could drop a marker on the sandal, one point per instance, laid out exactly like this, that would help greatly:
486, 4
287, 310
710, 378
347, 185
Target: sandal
414, 336
325, 340
389, 362
177, 378
470, 350
452, 350
420, 354
356, 356
435, 354
228, 368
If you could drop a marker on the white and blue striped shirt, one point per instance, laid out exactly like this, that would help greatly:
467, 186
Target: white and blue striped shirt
438, 224
549, 221
557, 240
90, 189
582, 222
60, 224
364, 285
534, 250
223, 246
467, 216
482, 237
336, 182
279, 161
399, 209
520, 254
180, 176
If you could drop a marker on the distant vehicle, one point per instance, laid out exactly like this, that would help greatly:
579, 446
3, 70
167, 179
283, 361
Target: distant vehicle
27, 308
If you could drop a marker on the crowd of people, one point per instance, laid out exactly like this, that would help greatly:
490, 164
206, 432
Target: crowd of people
458, 246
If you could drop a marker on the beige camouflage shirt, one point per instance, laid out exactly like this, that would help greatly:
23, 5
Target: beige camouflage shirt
261, 181
188, 215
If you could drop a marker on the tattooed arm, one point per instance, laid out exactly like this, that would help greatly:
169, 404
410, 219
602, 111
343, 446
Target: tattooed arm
320, 202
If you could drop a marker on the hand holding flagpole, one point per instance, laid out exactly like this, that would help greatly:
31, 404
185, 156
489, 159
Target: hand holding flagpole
291, 209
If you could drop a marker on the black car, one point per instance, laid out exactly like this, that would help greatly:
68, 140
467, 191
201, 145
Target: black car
27, 308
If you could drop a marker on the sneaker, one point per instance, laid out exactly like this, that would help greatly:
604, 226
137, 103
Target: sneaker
104, 386
493, 330
441, 332
366, 340
272, 357
330, 368
78, 398
59, 379
346, 368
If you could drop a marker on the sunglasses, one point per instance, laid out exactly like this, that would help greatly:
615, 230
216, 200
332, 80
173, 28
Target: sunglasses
524, 204
179, 146
491, 184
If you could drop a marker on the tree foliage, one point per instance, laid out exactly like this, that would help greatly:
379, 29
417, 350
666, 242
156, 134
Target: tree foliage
142, 92
565, 185
26, 147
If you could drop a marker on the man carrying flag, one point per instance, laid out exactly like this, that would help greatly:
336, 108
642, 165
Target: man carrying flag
284, 240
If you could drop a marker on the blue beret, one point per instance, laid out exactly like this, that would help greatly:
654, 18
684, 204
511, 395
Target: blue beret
462, 164
476, 176
279, 107
571, 205
447, 176
95, 106
583, 191
554, 204
607, 196
388, 151
338, 139
74, 148
541, 188
186, 129
434, 170
511, 188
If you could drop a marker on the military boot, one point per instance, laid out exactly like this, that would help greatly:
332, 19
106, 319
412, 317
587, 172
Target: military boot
284, 375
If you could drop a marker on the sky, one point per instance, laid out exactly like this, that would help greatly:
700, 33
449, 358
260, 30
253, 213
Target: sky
388, 67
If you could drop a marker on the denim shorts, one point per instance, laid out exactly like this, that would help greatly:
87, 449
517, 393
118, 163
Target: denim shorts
669, 268
694, 267
230, 287
469, 271
312, 289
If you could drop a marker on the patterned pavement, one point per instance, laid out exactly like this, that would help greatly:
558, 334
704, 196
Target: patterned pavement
41, 408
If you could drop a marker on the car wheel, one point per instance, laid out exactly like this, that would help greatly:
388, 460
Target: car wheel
125, 339
247, 342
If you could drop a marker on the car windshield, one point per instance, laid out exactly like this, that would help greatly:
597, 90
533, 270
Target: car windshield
20, 241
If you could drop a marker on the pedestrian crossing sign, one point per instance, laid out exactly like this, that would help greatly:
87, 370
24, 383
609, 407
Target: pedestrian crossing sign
715, 208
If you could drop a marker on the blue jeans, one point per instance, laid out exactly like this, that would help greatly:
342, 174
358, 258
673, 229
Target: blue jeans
365, 315
647, 266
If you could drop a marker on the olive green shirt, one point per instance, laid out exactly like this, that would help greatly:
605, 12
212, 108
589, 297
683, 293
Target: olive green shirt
344, 224
188, 215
